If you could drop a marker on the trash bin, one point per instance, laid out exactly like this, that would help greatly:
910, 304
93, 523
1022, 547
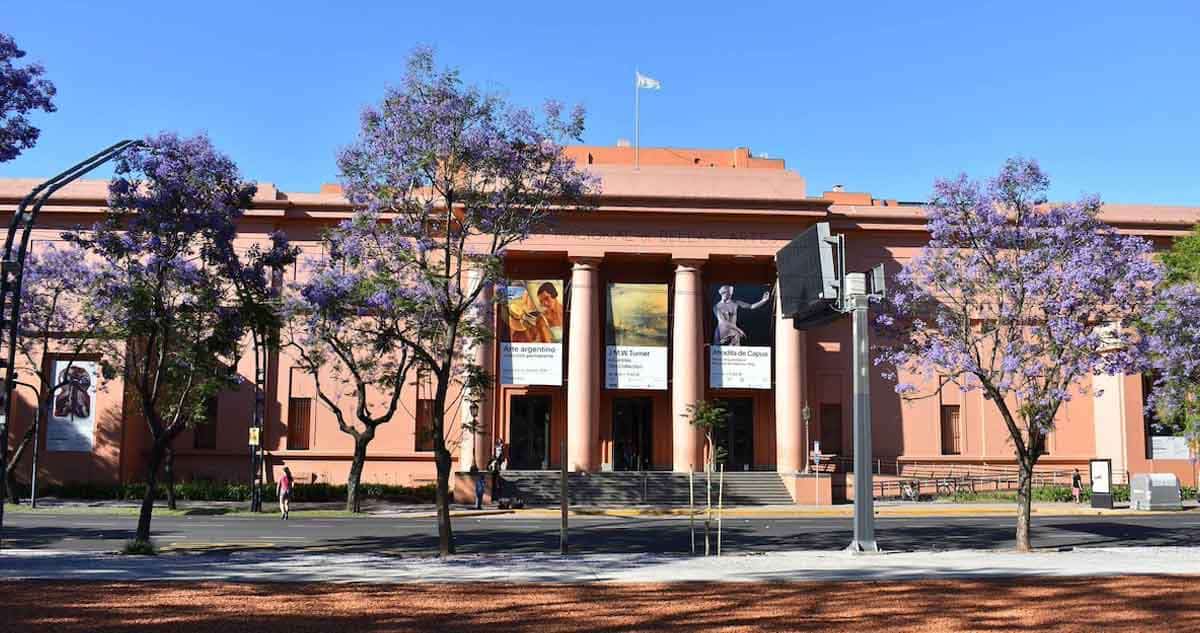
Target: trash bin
1155, 491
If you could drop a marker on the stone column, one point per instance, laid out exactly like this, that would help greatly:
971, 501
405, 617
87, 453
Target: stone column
687, 366
474, 448
791, 454
583, 397
1109, 420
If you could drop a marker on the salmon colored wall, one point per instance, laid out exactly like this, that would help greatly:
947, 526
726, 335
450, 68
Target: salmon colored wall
637, 239
1136, 439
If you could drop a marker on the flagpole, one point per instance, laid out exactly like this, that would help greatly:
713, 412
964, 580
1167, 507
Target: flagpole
637, 121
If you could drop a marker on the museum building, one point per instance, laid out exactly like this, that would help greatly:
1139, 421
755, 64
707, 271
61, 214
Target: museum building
611, 323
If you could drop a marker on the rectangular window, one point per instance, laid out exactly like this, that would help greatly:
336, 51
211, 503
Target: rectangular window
205, 434
1164, 436
299, 423
424, 424
951, 430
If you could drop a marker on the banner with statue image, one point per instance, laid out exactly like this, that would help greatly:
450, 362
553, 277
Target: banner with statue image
741, 335
636, 336
72, 423
531, 332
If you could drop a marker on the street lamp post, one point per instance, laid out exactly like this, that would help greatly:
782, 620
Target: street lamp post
806, 415
474, 409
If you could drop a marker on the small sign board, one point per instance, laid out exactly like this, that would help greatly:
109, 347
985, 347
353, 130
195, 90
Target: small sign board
254, 431
1101, 476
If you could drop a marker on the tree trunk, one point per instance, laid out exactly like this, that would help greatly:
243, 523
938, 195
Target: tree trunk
169, 471
1024, 502
156, 457
353, 489
445, 534
11, 490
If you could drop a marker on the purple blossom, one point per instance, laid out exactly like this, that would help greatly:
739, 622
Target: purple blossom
22, 90
1017, 297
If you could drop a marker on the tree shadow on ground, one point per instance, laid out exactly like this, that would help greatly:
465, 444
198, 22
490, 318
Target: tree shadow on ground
1114, 605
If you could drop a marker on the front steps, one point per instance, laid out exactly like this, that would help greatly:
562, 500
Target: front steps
657, 488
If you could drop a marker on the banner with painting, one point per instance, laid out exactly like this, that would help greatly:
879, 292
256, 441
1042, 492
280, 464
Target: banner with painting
72, 423
636, 336
742, 318
531, 332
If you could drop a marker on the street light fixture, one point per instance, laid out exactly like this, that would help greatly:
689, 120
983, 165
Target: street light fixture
474, 409
806, 415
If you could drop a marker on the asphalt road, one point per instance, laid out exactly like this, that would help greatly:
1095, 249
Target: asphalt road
508, 533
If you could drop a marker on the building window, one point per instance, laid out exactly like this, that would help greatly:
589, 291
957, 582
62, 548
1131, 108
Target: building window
205, 434
1164, 437
424, 424
831, 429
299, 423
951, 430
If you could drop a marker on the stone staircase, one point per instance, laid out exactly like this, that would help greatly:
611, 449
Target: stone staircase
656, 488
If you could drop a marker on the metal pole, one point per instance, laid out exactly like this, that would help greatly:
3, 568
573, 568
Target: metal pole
37, 431
637, 122
692, 505
720, 506
864, 502
707, 504
562, 532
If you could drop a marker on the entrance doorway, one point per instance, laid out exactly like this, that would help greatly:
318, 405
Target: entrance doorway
529, 433
737, 438
633, 419
831, 429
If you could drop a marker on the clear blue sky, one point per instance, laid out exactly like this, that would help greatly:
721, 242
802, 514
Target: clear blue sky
879, 96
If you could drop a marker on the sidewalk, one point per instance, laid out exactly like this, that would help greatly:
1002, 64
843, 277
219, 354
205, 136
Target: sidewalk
608, 568
883, 509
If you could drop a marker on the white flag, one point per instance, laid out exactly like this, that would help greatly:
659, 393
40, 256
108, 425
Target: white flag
647, 83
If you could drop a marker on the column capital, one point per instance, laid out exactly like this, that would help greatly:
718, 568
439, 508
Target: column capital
683, 264
585, 261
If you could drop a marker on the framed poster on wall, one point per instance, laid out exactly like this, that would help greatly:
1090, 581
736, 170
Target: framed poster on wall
71, 426
636, 336
531, 332
739, 352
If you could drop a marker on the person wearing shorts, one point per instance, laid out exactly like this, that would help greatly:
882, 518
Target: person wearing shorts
284, 488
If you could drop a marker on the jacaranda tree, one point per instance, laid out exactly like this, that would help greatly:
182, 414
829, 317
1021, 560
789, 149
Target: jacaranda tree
23, 89
165, 243
1172, 330
1019, 299
443, 178
61, 315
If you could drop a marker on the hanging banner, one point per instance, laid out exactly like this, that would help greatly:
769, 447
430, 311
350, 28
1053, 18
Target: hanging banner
636, 336
531, 331
72, 423
739, 354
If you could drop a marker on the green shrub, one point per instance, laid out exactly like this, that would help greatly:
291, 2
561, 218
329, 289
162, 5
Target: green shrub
134, 547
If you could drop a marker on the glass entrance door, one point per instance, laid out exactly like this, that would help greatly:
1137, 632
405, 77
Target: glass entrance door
529, 433
737, 438
632, 422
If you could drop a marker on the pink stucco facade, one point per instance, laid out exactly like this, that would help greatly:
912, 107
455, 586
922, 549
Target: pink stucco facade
690, 220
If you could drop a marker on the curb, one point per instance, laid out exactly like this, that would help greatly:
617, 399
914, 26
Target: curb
847, 512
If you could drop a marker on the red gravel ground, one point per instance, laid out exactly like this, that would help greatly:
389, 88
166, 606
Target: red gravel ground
1110, 605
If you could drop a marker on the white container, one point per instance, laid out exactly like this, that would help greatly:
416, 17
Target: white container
1155, 491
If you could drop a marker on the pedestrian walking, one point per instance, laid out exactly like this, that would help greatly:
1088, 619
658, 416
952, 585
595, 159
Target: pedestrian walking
284, 489
1076, 485
479, 480
497, 463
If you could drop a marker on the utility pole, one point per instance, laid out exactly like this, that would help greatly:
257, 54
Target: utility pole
864, 500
